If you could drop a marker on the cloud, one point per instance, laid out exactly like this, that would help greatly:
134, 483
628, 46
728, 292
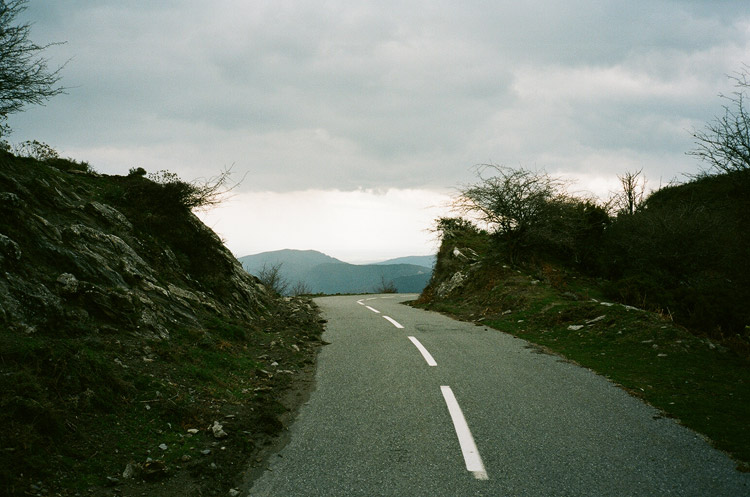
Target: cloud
355, 226
387, 94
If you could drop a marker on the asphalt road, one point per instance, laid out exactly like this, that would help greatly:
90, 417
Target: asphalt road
381, 421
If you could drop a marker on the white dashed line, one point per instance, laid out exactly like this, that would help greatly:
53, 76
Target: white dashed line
471, 454
373, 310
393, 322
427, 356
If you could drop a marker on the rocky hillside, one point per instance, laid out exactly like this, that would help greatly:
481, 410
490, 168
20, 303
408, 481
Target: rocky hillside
78, 253
128, 333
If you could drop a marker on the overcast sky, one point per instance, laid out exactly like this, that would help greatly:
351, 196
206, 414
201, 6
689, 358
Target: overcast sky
354, 121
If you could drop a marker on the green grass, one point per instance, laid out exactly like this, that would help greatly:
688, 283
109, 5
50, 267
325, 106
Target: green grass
72, 403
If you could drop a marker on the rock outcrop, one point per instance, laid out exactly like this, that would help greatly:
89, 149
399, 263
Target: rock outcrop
79, 252
455, 268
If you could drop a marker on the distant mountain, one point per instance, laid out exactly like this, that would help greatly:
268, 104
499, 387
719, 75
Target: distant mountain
324, 274
427, 261
351, 278
293, 262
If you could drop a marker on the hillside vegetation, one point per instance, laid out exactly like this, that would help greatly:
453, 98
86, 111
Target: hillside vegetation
655, 298
135, 352
685, 253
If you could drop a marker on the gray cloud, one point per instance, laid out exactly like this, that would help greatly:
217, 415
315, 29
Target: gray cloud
384, 94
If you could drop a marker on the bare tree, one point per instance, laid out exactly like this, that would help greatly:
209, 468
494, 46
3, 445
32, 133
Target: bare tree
386, 286
271, 277
512, 199
517, 203
300, 288
632, 194
24, 77
725, 143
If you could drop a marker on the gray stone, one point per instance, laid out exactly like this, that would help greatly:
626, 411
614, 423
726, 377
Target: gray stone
47, 229
9, 250
218, 430
108, 214
183, 294
125, 277
11, 201
130, 470
465, 254
447, 287
68, 283
596, 319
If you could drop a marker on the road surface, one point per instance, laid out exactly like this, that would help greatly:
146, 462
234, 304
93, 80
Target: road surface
413, 403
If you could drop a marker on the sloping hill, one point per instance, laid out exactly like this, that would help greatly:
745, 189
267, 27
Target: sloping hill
427, 261
294, 262
351, 278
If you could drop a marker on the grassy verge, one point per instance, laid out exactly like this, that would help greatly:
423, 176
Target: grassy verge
79, 411
700, 383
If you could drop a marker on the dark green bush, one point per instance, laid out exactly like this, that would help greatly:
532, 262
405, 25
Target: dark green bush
454, 227
686, 251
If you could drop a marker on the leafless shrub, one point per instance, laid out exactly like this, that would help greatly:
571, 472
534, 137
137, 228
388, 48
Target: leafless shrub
512, 200
632, 195
272, 278
198, 194
386, 286
300, 288
24, 77
35, 150
725, 142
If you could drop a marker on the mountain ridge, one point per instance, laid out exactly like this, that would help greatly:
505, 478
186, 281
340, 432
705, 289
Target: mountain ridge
427, 261
321, 273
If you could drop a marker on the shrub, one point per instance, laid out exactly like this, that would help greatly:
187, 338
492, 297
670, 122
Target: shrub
165, 192
725, 143
449, 228
35, 150
686, 250
300, 288
569, 231
191, 195
386, 286
531, 214
272, 279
